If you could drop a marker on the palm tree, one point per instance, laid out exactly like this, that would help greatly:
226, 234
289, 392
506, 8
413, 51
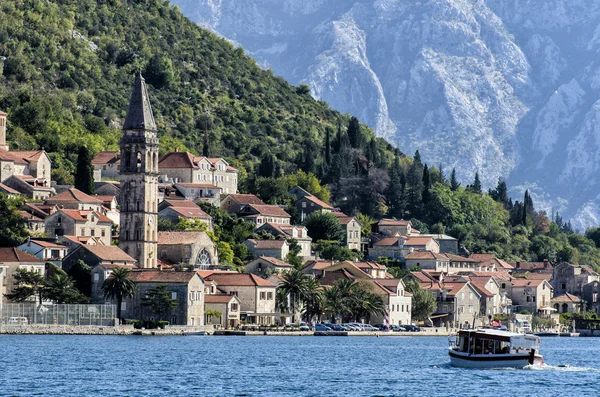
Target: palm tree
61, 289
314, 299
27, 284
338, 299
294, 283
118, 286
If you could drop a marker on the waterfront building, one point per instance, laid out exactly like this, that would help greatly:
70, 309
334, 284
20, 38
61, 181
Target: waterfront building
569, 278
531, 295
225, 304
139, 179
12, 259
94, 255
188, 249
567, 303
591, 296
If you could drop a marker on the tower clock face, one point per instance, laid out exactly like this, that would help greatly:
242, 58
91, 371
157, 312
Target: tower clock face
150, 220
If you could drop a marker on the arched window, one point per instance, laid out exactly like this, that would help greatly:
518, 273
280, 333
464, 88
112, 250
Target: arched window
127, 156
203, 258
139, 161
565, 308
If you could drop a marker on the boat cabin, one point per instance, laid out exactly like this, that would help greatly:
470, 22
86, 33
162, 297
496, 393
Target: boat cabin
495, 342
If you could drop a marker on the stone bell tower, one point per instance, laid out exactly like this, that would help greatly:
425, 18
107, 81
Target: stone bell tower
139, 179
3, 144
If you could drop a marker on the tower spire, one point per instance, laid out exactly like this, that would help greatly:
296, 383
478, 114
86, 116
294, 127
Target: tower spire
139, 115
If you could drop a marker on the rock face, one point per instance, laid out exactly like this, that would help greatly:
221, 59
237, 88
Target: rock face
505, 87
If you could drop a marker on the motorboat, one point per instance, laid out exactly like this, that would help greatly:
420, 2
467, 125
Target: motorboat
492, 348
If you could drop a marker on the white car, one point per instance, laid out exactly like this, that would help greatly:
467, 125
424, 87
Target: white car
18, 320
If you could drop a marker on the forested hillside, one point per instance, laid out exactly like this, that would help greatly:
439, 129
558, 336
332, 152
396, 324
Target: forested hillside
65, 81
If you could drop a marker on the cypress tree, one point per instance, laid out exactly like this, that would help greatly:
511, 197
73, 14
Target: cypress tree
417, 157
328, 146
396, 189
454, 185
415, 187
354, 134
266, 167
476, 184
206, 144
84, 175
426, 184
525, 207
443, 180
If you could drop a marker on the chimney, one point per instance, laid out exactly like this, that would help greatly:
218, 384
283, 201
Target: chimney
518, 265
3, 144
546, 263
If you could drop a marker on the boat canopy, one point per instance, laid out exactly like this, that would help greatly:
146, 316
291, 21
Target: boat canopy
487, 334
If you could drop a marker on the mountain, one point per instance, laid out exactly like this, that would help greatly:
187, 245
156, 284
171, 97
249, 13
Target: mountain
66, 69
508, 88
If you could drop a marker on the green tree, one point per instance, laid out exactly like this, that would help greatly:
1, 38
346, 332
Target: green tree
61, 289
593, 234
119, 286
84, 174
454, 185
13, 229
328, 145
324, 226
366, 224
81, 275
476, 186
314, 300
295, 284
28, 284
159, 71
423, 303
396, 190
159, 300
354, 133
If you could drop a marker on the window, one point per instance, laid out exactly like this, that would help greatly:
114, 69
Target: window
82, 232
123, 305
563, 286
234, 307
503, 285
392, 307
173, 295
304, 204
269, 295
470, 308
93, 232
103, 233
262, 295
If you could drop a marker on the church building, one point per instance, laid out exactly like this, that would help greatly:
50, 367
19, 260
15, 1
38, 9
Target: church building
139, 179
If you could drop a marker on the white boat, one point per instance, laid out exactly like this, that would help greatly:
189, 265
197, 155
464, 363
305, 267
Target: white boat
491, 348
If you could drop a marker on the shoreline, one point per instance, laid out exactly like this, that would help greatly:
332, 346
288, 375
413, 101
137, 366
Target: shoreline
128, 330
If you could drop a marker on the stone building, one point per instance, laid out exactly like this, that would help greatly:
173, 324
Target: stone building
184, 167
194, 249
398, 302
393, 227
591, 296
106, 165
566, 303
233, 204
12, 259
94, 255
139, 179
261, 214
306, 203
75, 199
353, 230
448, 244
187, 288
47, 251
427, 260
530, 295
298, 233
389, 247
274, 248
207, 193
174, 209
257, 296
226, 304
568, 278
265, 265
99, 274
80, 224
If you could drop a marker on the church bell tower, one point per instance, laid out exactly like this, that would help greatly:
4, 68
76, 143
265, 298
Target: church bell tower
139, 179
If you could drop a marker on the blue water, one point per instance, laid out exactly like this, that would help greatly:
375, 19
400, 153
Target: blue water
279, 366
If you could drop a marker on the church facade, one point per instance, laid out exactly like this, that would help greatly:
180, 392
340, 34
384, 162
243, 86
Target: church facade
139, 179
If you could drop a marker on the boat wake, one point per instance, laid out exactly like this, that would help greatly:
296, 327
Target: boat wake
560, 367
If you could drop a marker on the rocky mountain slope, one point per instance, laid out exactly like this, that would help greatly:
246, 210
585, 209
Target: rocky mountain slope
506, 87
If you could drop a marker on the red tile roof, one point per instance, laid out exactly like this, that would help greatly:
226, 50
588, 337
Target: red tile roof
197, 186
81, 216
12, 254
523, 282
426, 255
343, 218
9, 156
110, 253
245, 199
106, 158
72, 195
220, 298
269, 210
177, 160
237, 279
48, 244
275, 261
393, 222
388, 242
180, 203
267, 244
8, 189
411, 241
369, 265
316, 201
566, 298
27, 216
161, 276
457, 258
188, 212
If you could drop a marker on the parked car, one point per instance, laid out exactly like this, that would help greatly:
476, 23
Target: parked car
368, 328
338, 327
18, 320
412, 328
304, 327
321, 327
398, 328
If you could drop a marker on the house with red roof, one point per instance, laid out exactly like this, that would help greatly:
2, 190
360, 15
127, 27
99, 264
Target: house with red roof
531, 295
264, 265
79, 223
261, 214
184, 167
173, 209
48, 251
233, 204
106, 165
256, 295
272, 248
75, 199
307, 203
352, 227
188, 249
186, 288
395, 227
298, 233
12, 259
427, 260
567, 303
227, 305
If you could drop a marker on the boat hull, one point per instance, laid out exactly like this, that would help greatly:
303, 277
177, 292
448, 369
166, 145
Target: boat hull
490, 360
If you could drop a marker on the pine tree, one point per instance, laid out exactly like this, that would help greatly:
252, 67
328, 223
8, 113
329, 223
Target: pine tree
500, 193
415, 187
341, 141
443, 180
266, 167
454, 185
417, 157
396, 189
354, 133
84, 175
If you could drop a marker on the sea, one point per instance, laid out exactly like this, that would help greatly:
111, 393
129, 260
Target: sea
39, 365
